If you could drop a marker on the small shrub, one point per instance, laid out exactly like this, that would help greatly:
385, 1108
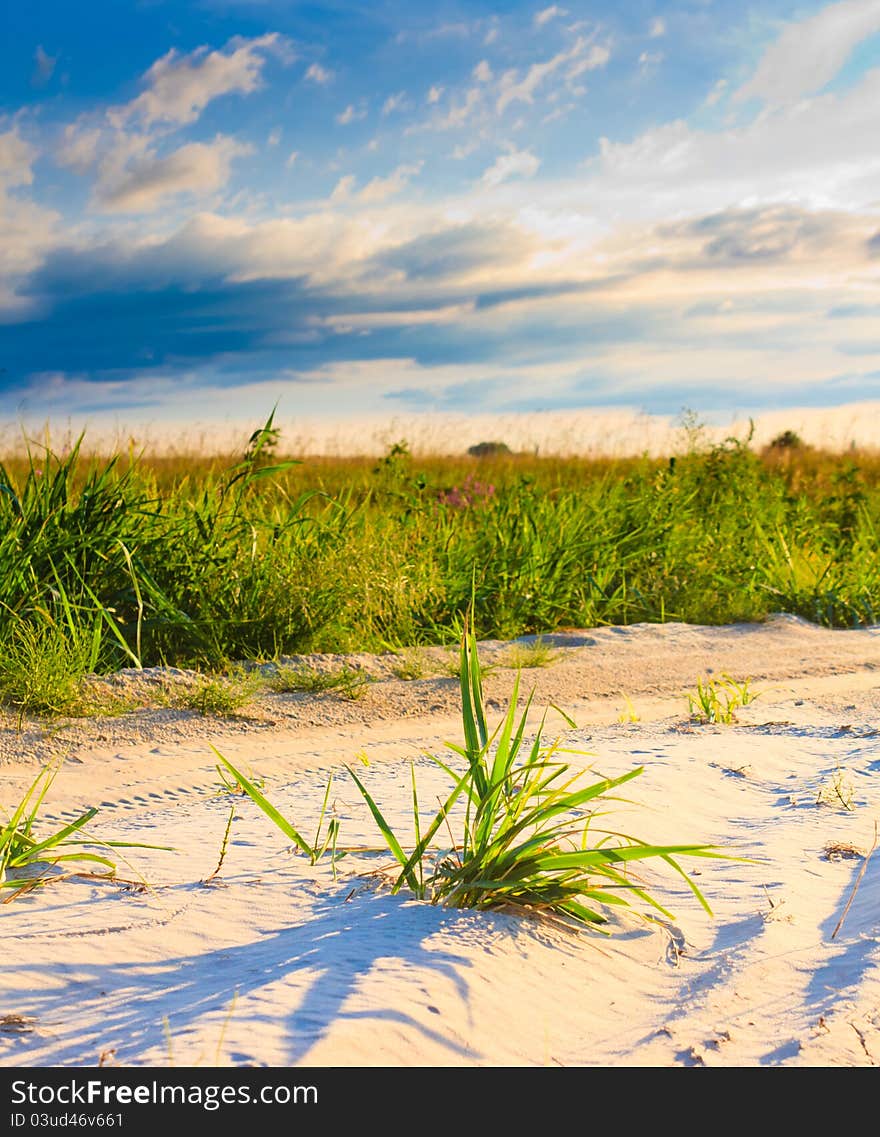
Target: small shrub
534, 654
838, 792
489, 450
42, 668
787, 440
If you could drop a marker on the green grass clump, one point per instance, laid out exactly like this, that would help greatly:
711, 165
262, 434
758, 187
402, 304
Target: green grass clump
717, 700
535, 654
530, 836
27, 861
345, 680
326, 836
219, 694
42, 669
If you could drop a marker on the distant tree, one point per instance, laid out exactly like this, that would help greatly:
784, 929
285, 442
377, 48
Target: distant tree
489, 449
788, 440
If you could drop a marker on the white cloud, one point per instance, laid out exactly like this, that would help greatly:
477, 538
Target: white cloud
44, 66
657, 28
482, 72
274, 137
343, 189
465, 149
514, 164
717, 92
394, 103
141, 182
179, 87
548, 14
16, 157
650, 58
350, 114
434, 95
809, 53
318, 74
459, 112
523, 90
79, 147
26, 229
812, 154
291, 159
379, 189
597, 56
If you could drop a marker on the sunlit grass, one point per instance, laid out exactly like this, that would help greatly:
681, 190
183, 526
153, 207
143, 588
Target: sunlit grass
520, 829
29, 860
133, 560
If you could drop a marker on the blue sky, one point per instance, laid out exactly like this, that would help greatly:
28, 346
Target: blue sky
345, 208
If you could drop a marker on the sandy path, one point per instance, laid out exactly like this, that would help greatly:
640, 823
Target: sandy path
274, 962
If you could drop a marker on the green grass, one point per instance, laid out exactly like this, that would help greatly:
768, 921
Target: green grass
133, 560
219, 694
346, 681
531, 835
535, 654
717, 700
27, 860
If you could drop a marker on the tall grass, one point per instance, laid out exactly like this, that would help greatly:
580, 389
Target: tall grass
129, 561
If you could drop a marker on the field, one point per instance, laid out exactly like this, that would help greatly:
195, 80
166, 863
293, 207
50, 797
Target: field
128, 560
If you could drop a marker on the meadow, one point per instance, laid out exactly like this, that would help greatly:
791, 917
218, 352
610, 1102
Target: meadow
128, 560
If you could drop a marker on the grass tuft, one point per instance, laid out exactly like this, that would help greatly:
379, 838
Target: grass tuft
530, 838
28, 861
717, 700
345, 680
538, 653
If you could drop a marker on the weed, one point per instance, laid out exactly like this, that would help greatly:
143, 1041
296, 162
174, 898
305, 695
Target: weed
413, 663
526, 821
537, 653
526, 824
325, 837
218, 694
837, 792
27, 861
717, 700
629, 713
347, 681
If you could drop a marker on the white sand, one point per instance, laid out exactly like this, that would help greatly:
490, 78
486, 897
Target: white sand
276, 963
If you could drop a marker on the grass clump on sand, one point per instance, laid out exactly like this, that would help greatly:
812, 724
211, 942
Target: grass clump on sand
537, 653
28, 861
717, 700
530, 835
220, 694
345, 680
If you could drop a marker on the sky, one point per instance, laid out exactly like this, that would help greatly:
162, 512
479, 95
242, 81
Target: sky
208, 209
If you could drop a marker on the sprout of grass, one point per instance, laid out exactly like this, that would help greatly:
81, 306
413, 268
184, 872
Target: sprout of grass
26, 860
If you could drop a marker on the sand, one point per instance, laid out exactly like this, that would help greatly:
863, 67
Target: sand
273, 962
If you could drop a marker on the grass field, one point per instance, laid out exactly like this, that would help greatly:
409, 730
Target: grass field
128, 560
